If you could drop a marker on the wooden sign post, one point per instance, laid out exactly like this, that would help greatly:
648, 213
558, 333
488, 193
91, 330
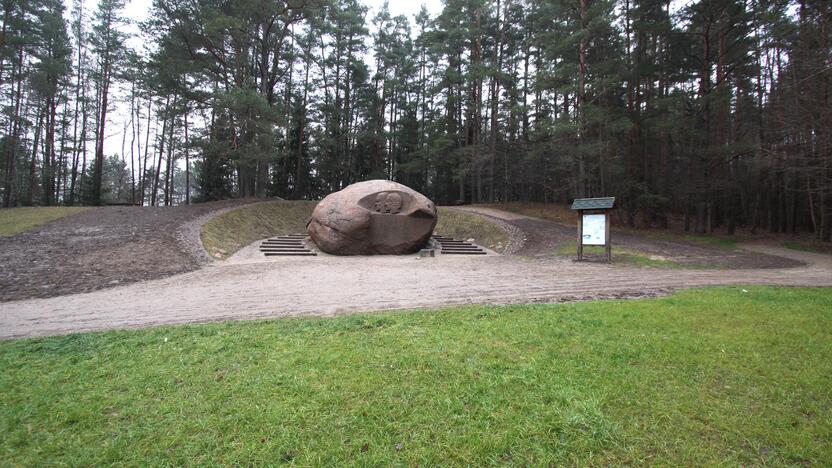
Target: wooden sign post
594, 223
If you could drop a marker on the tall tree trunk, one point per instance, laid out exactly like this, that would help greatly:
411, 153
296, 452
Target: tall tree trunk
187, 163
9, 196
161, 152
98, 165
30, 195
169, 162
580, 99
143, 176
298, 192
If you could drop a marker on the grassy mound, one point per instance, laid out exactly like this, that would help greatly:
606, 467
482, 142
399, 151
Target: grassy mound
468, 226
718, 376
229, 232
233, 230
17, 220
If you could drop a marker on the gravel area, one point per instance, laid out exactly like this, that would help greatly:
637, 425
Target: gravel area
327, 285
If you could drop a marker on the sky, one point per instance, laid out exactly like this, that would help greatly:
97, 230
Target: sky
137, 11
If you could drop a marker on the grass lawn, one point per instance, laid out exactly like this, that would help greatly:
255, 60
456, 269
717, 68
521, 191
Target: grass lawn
17, 220
708, 376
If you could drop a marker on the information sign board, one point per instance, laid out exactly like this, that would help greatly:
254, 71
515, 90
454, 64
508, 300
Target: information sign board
594, 229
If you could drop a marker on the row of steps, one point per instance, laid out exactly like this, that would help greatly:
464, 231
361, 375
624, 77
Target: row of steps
286, 246
293, 246
451, 246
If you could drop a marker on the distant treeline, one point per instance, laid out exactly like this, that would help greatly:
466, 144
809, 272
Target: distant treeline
717, 110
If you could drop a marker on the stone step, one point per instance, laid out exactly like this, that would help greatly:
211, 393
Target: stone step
290, 254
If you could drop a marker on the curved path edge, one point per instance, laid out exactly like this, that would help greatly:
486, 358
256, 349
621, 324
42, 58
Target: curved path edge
189, 235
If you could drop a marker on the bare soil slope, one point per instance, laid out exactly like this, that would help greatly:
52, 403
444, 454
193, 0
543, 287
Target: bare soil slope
104, 247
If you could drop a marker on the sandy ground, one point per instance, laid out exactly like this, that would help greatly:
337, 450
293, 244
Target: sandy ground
250, 289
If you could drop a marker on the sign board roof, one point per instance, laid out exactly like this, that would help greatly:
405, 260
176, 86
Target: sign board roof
604, 203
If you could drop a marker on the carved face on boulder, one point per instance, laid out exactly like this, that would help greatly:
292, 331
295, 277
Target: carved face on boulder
373, 217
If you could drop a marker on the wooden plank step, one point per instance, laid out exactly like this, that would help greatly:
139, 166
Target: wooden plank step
284, 249
282, 242
464, 252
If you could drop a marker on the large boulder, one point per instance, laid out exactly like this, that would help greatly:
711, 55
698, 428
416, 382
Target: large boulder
373, 217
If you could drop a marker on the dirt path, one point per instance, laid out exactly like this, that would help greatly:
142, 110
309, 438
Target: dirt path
331, 285
105, 247
544, 238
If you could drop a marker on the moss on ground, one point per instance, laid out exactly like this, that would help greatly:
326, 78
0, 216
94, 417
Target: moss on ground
16, 220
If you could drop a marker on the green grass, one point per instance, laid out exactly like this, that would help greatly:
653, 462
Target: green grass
17, 220
809, 246
703, 377
630, 257
467, 226
722, 242
229, 232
